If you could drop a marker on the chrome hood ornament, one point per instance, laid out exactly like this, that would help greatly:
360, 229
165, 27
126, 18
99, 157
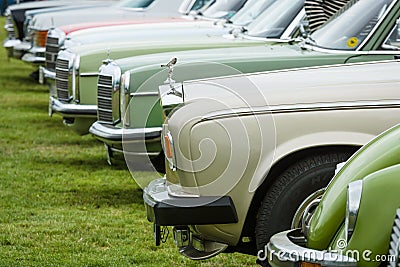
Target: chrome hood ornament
169, 81
108, 60
170, 65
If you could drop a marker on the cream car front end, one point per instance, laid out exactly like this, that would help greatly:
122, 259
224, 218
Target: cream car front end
229, 152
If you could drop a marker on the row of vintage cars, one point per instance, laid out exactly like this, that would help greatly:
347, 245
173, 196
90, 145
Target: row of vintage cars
249, 115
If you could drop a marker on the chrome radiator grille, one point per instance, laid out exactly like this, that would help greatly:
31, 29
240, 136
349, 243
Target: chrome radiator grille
104, 99
51, 52
394, 249
62, 79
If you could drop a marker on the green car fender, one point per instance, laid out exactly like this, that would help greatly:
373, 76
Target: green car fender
369, 242
379, 154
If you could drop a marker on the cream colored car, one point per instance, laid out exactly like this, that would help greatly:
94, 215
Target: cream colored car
244, 151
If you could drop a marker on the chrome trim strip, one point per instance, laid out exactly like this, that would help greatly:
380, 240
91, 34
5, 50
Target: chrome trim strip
89, 74
366, 40
262, 39
354, 193
144, 94
287, 34
281, 109
350, 52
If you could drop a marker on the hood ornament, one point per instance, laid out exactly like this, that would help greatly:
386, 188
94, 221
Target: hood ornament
170, 65
108, 60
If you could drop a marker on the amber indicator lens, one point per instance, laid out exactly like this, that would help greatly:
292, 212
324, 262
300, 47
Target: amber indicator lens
168, 148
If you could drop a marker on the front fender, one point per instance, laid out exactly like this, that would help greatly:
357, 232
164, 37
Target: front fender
380, 153
379, 202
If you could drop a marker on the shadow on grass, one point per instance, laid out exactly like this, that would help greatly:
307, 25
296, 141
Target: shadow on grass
98, 197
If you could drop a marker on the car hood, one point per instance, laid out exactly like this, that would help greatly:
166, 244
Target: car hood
150, 44
154, 30
43, 4
316, 88
56, 19
249, 58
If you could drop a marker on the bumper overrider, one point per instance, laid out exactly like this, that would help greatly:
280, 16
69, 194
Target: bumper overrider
288, 249
164, 209
71, 110
45, 74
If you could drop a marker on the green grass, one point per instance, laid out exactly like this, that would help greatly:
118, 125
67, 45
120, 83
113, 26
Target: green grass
60, 203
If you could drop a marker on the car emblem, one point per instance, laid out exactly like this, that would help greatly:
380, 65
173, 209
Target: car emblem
170, 65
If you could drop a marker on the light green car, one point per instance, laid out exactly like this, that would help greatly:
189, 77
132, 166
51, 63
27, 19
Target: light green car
77, 67
357, 220
335, 43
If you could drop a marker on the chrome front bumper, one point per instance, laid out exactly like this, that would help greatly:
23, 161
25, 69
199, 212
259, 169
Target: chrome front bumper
72, 110
9, 45
288, 249
35, 55
112, 134
45, 74
20, 49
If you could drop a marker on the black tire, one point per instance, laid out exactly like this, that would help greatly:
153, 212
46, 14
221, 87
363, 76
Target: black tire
159, 162
289, 190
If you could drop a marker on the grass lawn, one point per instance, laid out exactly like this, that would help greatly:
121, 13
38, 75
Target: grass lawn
60, 203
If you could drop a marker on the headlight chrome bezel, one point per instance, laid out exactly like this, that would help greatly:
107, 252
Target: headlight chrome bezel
354, 194
75, 78
167, 143
125, 98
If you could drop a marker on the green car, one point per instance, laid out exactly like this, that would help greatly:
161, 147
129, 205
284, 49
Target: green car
357, 220
77, 67
373, 36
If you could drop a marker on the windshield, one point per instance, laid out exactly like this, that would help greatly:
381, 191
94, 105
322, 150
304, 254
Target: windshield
199, 4
223, 8
275, 19
349, 28
250, 11
191, 5
135, 3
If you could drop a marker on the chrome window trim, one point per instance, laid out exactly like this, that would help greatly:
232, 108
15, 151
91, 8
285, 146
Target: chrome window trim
287, 34
366, 40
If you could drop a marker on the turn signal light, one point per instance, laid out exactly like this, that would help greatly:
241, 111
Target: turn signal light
168, 148
40, 38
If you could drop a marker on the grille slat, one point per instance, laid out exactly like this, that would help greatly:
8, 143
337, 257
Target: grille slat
52, 49
62, 80
104, 99
394, 247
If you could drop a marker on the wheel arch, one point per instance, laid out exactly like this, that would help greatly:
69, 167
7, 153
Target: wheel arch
277, 168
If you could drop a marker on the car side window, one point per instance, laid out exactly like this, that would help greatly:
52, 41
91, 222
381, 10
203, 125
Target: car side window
393, 40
